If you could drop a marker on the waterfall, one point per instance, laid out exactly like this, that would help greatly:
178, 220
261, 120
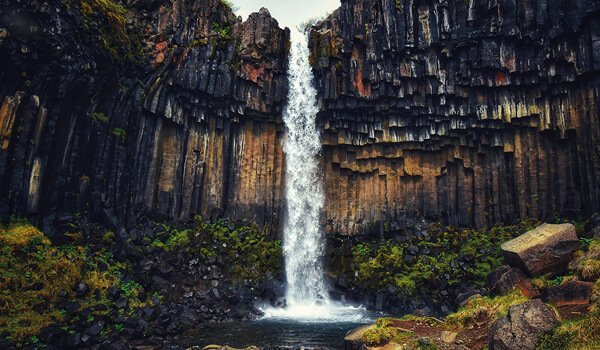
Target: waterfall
302, 234
303, 238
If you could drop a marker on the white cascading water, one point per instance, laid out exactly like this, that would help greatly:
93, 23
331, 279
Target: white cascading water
302, 246
303, 238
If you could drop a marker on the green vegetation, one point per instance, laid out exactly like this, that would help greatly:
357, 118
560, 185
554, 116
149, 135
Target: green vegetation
251, 254
116, 40
483, 311
380, 265
119, 132
384, 332
98, 118
33, 273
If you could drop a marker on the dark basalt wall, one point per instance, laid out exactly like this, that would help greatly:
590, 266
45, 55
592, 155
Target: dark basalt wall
190, 123
466, 112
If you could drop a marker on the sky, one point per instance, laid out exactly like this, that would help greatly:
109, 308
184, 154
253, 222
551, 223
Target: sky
288, 13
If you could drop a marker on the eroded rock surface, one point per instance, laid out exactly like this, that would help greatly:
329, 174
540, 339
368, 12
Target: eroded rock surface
465, 112
519, 330
187, 122
547, 249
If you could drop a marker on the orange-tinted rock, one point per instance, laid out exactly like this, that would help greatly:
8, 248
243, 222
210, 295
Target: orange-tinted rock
505, 278
570, 293
194, 128
451, 112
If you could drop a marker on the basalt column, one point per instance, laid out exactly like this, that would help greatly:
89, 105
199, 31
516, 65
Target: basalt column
165, 111
465, 112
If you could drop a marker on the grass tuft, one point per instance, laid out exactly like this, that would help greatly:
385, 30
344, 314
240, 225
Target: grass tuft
483, 311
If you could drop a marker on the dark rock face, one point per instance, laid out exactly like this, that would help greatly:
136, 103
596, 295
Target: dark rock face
522, 326
465, 112
190, 126
469, 113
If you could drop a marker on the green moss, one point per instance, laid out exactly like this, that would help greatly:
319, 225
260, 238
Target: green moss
250, 255
98, 117
117, 41
20, 234
379, 336
384, 333
578, 334
484, 310
27, 259
120, 133
177, 239
381, 265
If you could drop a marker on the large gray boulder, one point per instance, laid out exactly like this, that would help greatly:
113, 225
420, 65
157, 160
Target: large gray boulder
520, 329
545, 250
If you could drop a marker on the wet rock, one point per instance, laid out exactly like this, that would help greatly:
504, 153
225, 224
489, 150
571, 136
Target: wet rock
545, 250
522, 326
146, 264
353, 339
72, 307
113, 293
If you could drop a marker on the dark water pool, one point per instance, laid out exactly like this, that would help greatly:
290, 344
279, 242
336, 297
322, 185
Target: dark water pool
279, 331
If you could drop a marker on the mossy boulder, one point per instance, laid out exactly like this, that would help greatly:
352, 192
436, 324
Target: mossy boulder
522, 326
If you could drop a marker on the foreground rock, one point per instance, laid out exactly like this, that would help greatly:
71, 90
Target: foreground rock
522, 326
506, 278
545, 250
570, 293
353, 339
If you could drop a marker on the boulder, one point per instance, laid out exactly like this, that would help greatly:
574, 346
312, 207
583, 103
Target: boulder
353, 339
545, 250
570, 293
505, 278
519, 330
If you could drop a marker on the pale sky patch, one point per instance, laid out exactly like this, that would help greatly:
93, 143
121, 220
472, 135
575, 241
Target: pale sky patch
288, 13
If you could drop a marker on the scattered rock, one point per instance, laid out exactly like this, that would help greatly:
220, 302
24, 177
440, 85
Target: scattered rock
570, 293
545, 250
505, 278
122, 303
81, 289
522, 326
425, 341
448, 337
95, 329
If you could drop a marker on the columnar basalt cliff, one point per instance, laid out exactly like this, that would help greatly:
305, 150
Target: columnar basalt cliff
167, 109
466, 112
